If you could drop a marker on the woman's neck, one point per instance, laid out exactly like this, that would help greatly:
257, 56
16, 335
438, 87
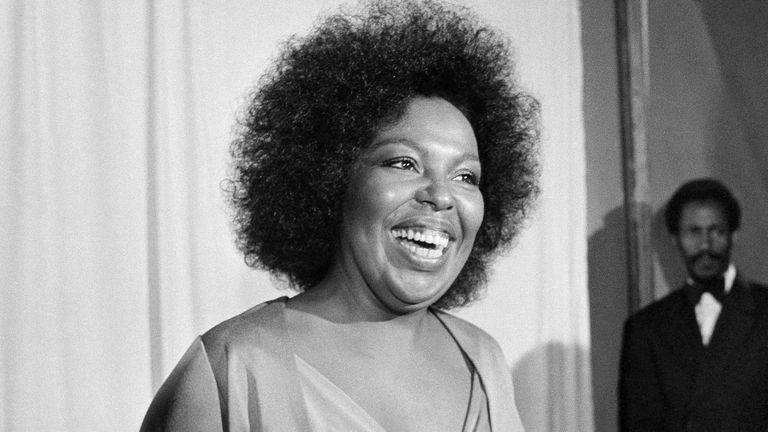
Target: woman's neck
343, 300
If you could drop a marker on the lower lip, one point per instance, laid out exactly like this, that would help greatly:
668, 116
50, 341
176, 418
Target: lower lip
420, 261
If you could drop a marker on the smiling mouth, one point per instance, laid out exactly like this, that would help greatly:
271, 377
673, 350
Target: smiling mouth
422, 242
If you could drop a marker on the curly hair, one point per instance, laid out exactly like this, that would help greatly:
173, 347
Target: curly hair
703, 189
328, 94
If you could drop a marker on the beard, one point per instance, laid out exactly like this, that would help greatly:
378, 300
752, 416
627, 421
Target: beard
714, 265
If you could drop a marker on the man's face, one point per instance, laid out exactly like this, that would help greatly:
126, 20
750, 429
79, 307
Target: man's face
704, 239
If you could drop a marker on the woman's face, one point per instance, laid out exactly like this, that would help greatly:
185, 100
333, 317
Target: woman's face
413, 206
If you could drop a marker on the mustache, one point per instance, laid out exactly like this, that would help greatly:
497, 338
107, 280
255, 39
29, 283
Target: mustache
707, 254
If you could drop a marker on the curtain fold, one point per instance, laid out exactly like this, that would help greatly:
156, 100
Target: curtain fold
74, 261
117, 246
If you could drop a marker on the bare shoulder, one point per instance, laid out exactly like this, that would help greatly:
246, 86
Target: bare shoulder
468, 334
247, 327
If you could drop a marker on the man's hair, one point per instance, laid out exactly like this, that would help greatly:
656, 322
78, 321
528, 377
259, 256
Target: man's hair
698, 190
330, 92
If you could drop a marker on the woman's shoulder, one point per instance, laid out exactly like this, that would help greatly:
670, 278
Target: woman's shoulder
467, 334
247, 327
488, 359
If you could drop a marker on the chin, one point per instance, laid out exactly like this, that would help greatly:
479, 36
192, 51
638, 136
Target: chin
409, 300
704, 275
412, 303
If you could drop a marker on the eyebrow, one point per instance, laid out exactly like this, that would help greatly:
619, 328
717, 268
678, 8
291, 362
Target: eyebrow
713, 225
465, 155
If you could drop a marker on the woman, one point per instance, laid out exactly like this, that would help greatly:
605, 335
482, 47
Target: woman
381, 165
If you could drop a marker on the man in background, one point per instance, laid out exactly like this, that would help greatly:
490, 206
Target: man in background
697, 359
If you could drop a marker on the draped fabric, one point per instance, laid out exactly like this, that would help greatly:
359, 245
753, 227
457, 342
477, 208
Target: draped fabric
116, 250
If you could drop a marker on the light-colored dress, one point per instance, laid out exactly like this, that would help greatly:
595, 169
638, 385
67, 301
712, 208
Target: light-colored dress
243, 375
330, 409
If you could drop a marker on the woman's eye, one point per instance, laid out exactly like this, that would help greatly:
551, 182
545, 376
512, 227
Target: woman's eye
401, 163
468, 177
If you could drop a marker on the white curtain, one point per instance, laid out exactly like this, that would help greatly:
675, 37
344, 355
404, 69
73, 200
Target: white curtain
116, 250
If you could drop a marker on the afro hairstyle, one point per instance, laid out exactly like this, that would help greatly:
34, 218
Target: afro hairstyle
326, 96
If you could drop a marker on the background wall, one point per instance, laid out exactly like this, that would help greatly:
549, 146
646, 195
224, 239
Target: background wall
708, 105
608, 302
708, 111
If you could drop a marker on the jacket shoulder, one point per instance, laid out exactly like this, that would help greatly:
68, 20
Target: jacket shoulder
758, 287
669, 304
759, 293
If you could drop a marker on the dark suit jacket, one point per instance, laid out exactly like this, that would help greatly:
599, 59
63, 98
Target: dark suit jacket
670, 382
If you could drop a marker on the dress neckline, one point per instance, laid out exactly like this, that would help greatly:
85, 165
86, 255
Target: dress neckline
328, 407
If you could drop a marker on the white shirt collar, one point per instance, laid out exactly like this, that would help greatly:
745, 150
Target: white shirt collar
730, 276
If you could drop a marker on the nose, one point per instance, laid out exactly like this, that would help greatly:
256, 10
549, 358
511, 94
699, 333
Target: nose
705, 241
436, 194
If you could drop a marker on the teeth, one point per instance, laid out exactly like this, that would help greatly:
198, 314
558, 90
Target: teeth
424, 252
437, 238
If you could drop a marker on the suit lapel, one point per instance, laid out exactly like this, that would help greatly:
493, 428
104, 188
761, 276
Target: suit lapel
735, 319
684, 336
683, 343
733, 325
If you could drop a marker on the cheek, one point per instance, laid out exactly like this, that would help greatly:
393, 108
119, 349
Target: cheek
687, 245
723, 245
371, 202
472, 210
